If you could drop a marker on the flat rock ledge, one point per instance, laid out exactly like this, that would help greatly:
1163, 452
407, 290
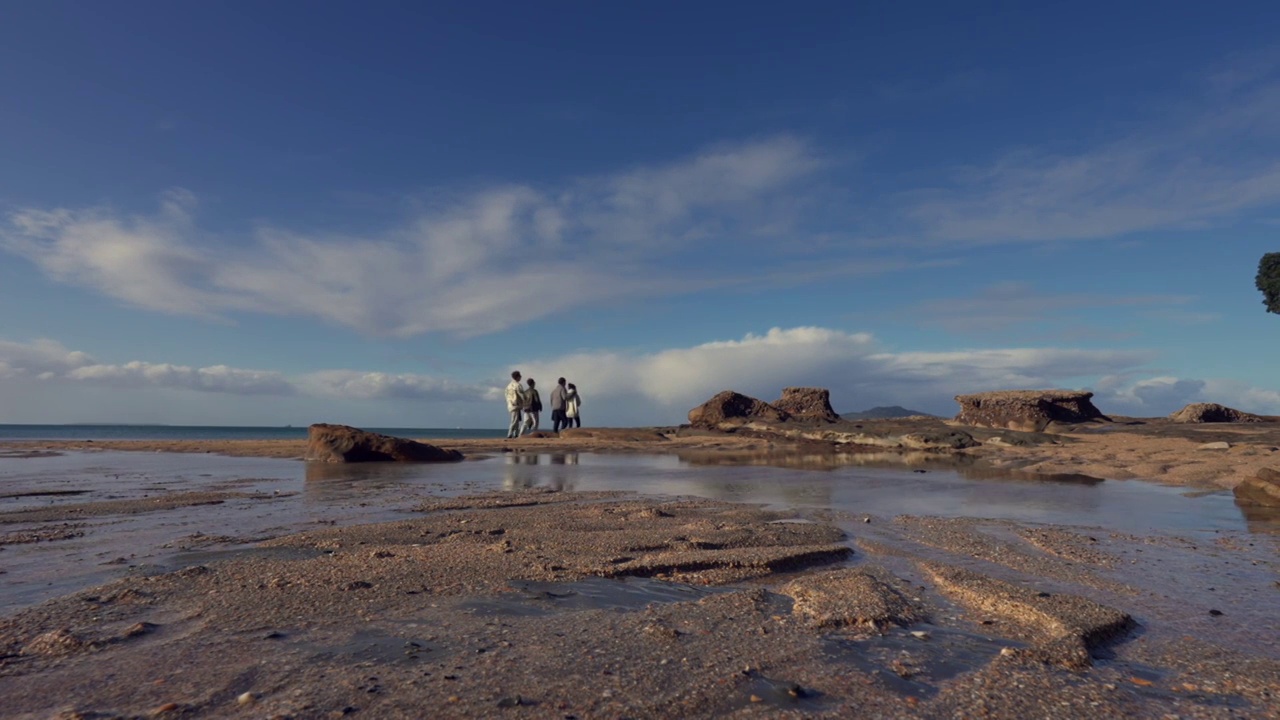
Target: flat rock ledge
851, 598
1027, 410
1262, 489
1213, 413
344, 444
1068, 626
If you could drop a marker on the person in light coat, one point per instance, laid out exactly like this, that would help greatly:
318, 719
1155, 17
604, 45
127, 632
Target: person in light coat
515, 403
572, 407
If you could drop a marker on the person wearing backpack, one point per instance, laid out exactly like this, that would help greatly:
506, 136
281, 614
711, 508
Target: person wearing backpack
532, 407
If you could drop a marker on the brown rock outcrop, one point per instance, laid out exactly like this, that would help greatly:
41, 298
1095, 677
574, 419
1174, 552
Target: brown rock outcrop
340, 443
1212, 413
1026, 410
807, 403
730, 405
1262, 489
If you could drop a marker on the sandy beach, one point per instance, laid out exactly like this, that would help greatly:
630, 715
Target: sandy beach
558, 598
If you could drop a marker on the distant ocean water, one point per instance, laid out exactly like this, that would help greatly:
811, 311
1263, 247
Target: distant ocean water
214, 432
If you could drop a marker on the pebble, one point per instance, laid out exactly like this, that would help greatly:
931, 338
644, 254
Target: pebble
165, 708
1215, 613
246, 698
920, 634
756, 699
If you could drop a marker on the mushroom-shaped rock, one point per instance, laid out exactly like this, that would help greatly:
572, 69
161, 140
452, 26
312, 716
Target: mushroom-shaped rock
1212, 413
1027, 410
807, 403
340, 443
729, 405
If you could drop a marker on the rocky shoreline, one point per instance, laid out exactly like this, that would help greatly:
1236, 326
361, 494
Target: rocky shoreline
548, 604
544, 604
1209, 455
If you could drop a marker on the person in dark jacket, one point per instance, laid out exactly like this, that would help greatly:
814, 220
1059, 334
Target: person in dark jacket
558, 418
532, 407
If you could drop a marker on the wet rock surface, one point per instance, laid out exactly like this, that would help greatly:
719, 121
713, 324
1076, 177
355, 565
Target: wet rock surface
1261, 489
555, 604
851, 597
344, 444
1026, 410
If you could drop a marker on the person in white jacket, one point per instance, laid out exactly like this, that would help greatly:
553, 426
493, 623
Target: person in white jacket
572, 407
515, 403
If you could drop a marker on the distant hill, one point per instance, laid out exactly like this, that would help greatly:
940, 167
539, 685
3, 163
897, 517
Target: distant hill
883, 413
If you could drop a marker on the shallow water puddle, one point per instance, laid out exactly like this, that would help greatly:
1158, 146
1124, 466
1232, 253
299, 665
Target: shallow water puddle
912, 665
292, 496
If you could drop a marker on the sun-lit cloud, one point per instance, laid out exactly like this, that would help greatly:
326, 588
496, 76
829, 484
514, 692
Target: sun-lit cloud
858, 371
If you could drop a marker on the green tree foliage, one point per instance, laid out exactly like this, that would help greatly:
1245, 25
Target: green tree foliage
1269, 281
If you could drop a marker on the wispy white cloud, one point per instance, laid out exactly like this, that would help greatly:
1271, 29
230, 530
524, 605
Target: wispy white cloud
359, 385
1197, 162
215, 379
47, 361
39, 357
472, 265
1002, 306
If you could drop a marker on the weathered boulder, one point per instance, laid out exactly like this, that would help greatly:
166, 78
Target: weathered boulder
807, 403
1262, 489
730, 405
1026, 410
340, 443
1212, 413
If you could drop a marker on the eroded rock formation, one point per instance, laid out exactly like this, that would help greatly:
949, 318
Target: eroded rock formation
807, 403
1026, 410
1212, 413
730, 405
340, 443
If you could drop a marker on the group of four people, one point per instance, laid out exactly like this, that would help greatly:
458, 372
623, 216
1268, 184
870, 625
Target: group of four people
525, 406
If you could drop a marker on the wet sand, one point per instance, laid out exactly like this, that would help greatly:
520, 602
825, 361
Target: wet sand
561, 600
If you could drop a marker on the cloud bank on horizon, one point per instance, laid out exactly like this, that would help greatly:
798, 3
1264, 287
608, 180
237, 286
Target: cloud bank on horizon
912, 236
659, 387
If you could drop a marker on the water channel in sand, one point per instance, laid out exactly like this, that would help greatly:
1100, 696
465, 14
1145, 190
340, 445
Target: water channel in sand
263, 498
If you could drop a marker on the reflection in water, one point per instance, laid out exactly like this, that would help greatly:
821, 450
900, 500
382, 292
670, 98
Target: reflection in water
1260, 518
284, 496
518, 476
966, 465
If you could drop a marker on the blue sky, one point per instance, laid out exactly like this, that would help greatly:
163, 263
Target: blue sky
283, 213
